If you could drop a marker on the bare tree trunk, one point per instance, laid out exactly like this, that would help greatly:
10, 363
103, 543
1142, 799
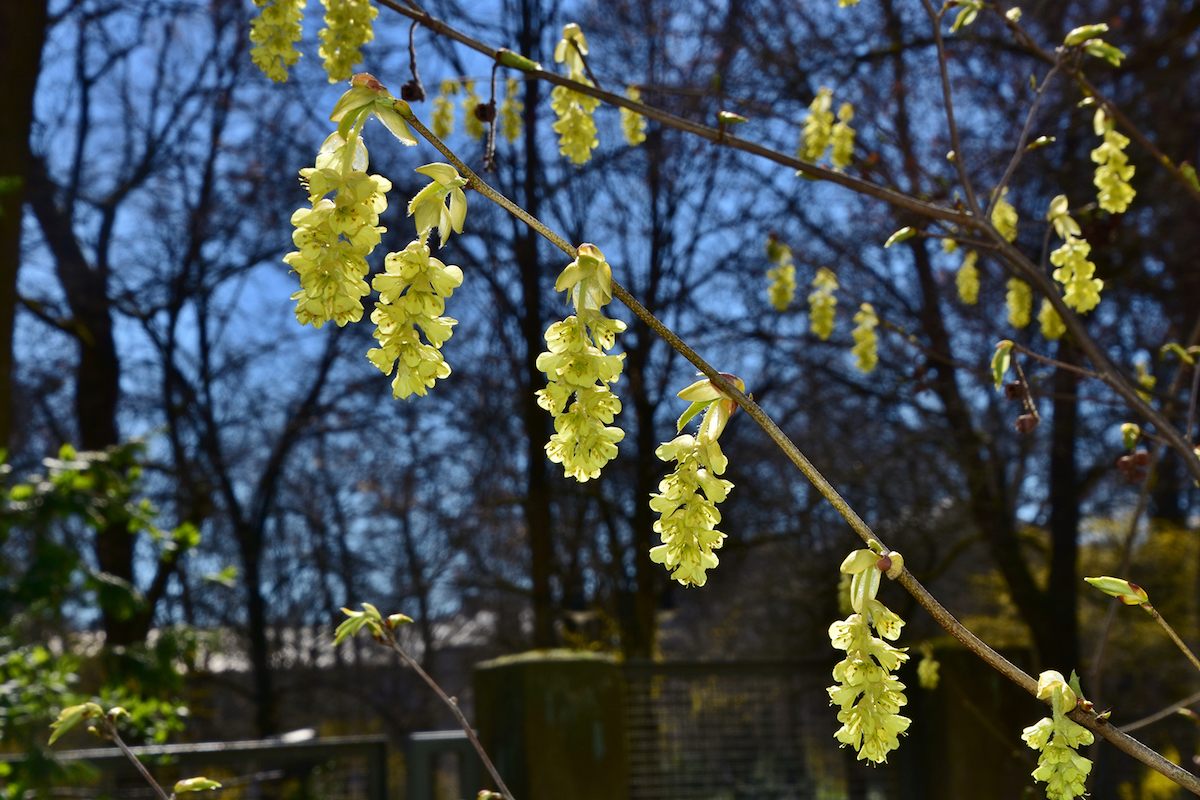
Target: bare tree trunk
22, 32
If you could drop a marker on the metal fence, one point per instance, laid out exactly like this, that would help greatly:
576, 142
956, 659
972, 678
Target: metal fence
737, 731
333, 768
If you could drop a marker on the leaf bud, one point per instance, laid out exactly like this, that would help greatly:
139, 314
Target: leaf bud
1128, 593
1026, 423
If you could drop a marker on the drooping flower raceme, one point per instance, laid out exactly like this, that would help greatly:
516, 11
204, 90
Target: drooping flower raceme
1004, 217
782, 275
818, 127
336, 235
633, 124
967, 279
866, 343
1114, 170
412, 295
1074, 270
575, 127
687, 498
578, 364
1058, 739
442, 119
471, 123
1019, 300
274, 33
510, 111
821, 303
348, 26
1050, 322
842, 138
869, 695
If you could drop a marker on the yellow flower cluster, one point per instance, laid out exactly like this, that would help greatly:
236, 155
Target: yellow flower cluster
820, 133
967, 279
869, 695
818, 126
1146, 380
575, 127
927, 668
412, 294
347, 29
1060, 767
471, 123
633, 125
1051, 323
577, 363
274, 33
866, 343
510, 111
334, 236
687, 498
1114, 170
841, 140
1074, 270
782, 275
822, 303
1004, 217
442, 119
1019, 301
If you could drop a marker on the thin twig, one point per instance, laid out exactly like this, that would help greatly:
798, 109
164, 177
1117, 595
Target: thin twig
1022, 141
1191, 418
935, 18
586, 66
412, 56
390, 641
1157, 715
1153, 612
1087, 373
110, 730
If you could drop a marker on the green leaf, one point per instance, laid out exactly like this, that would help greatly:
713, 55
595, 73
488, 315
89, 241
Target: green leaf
692, 410
395, 123
966, 16
355, 100
1178, 350
350, 626
907, 232
395, 620
1102, 49
71, 716
1001, 362
1078, 35
195, 785
729, 118
1040, 141
372, 612
1074, 684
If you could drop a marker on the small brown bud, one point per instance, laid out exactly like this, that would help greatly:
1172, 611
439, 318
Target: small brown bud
486, 112
412, 92
1026, 423
1142, 458
1124, 463
884, 564
1014, 390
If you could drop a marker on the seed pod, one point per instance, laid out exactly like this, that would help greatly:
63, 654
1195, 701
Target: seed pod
1026, 423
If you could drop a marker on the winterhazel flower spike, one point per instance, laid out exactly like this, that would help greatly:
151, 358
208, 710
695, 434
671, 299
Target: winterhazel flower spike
687, 498
1004, 217
1058, 738
412, 294
441, 204
472, 124
347, 29
633, 124
841, 139
578, 365
967, 279
1074, 271
1019, 300
818, 127
866, 342
1051, 323
782, 276
1114, 170
869, 695
822, 303
274, 33
442, 119
510, 112
335, 235
575, 126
